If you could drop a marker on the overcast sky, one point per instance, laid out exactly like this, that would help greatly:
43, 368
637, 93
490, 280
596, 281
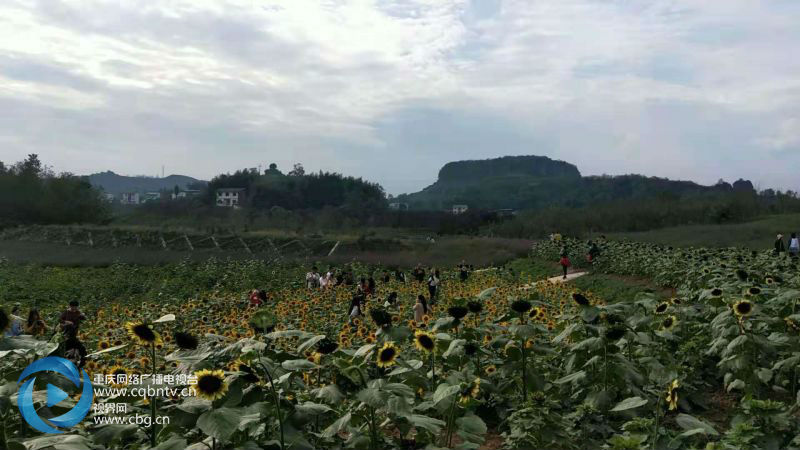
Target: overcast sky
392, 90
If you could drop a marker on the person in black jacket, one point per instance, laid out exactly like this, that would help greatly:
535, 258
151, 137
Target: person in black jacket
74, 350
779, 247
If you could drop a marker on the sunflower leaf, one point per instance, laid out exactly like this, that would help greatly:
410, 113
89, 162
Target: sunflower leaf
298, 364
219, 423
629, 403
310, 342
337, 426
688, 422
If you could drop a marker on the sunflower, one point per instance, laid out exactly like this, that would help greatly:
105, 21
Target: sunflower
672, 395
424, 341
457, 312
326, 346
521, 306
470, 391
490, 369
716, 292
662, 308
754, 290
120, 375
210, 384
743, 308
669, 322
142, 333
675, 301
580, 299
387, 355
103, 345
475, 306
769, 280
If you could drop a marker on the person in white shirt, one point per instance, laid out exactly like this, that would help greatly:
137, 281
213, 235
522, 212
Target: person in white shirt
794, 245
312, 278
433, 285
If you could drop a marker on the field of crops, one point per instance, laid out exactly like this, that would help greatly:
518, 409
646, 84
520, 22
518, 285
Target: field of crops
498, 362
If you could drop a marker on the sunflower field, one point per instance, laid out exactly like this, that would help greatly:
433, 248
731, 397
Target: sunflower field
498, 361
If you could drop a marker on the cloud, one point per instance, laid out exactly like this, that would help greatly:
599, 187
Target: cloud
391, 90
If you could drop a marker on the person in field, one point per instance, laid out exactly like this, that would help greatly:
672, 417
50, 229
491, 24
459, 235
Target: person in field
73, 348
420, 309
312, 278
399, 275
418, 273
594, 252
355, 305
463, 271
779, 247
258, 297
433, 285
35, 326
794, 245
371, 285
17, 322
564, 261
72, 317
391, 300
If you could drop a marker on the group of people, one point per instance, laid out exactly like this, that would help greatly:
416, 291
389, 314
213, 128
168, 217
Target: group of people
432, 279
793, 247
33, 326
592, 252
69, 322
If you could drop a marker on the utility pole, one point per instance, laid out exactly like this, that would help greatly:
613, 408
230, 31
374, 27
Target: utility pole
162, 171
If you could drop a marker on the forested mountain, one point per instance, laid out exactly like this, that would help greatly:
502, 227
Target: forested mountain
538, 182
117, 184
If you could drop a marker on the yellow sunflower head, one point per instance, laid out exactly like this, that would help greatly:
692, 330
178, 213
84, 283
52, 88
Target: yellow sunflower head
424, 341
387, 355
743, 308
211, 384
142, 333
672, 395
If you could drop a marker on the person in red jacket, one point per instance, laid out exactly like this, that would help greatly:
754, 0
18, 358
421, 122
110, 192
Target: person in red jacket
564, 261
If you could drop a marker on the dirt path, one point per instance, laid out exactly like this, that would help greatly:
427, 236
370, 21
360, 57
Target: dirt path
556, 279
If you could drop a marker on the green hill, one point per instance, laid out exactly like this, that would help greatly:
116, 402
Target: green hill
117, 184
537, 182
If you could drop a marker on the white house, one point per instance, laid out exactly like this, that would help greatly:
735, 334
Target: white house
459, 209
230, 197
397, 206
185, 194
129, 198
151, 196
109, 197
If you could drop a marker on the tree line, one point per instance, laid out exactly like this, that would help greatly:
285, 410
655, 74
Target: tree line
31, 193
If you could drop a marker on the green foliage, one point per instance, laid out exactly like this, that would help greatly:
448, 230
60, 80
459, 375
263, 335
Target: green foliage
31, 193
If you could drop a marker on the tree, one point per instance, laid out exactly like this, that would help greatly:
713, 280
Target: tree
297, 171
176, 190
31, 167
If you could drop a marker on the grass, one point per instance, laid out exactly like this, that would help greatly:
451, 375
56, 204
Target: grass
756, 235
616, 288
445, 252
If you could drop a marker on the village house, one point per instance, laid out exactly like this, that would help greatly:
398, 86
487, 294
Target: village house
230, 197
459, 209
397, 206
129, 198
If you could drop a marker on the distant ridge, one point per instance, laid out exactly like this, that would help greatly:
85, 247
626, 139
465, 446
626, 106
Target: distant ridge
117, 184
535, 182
